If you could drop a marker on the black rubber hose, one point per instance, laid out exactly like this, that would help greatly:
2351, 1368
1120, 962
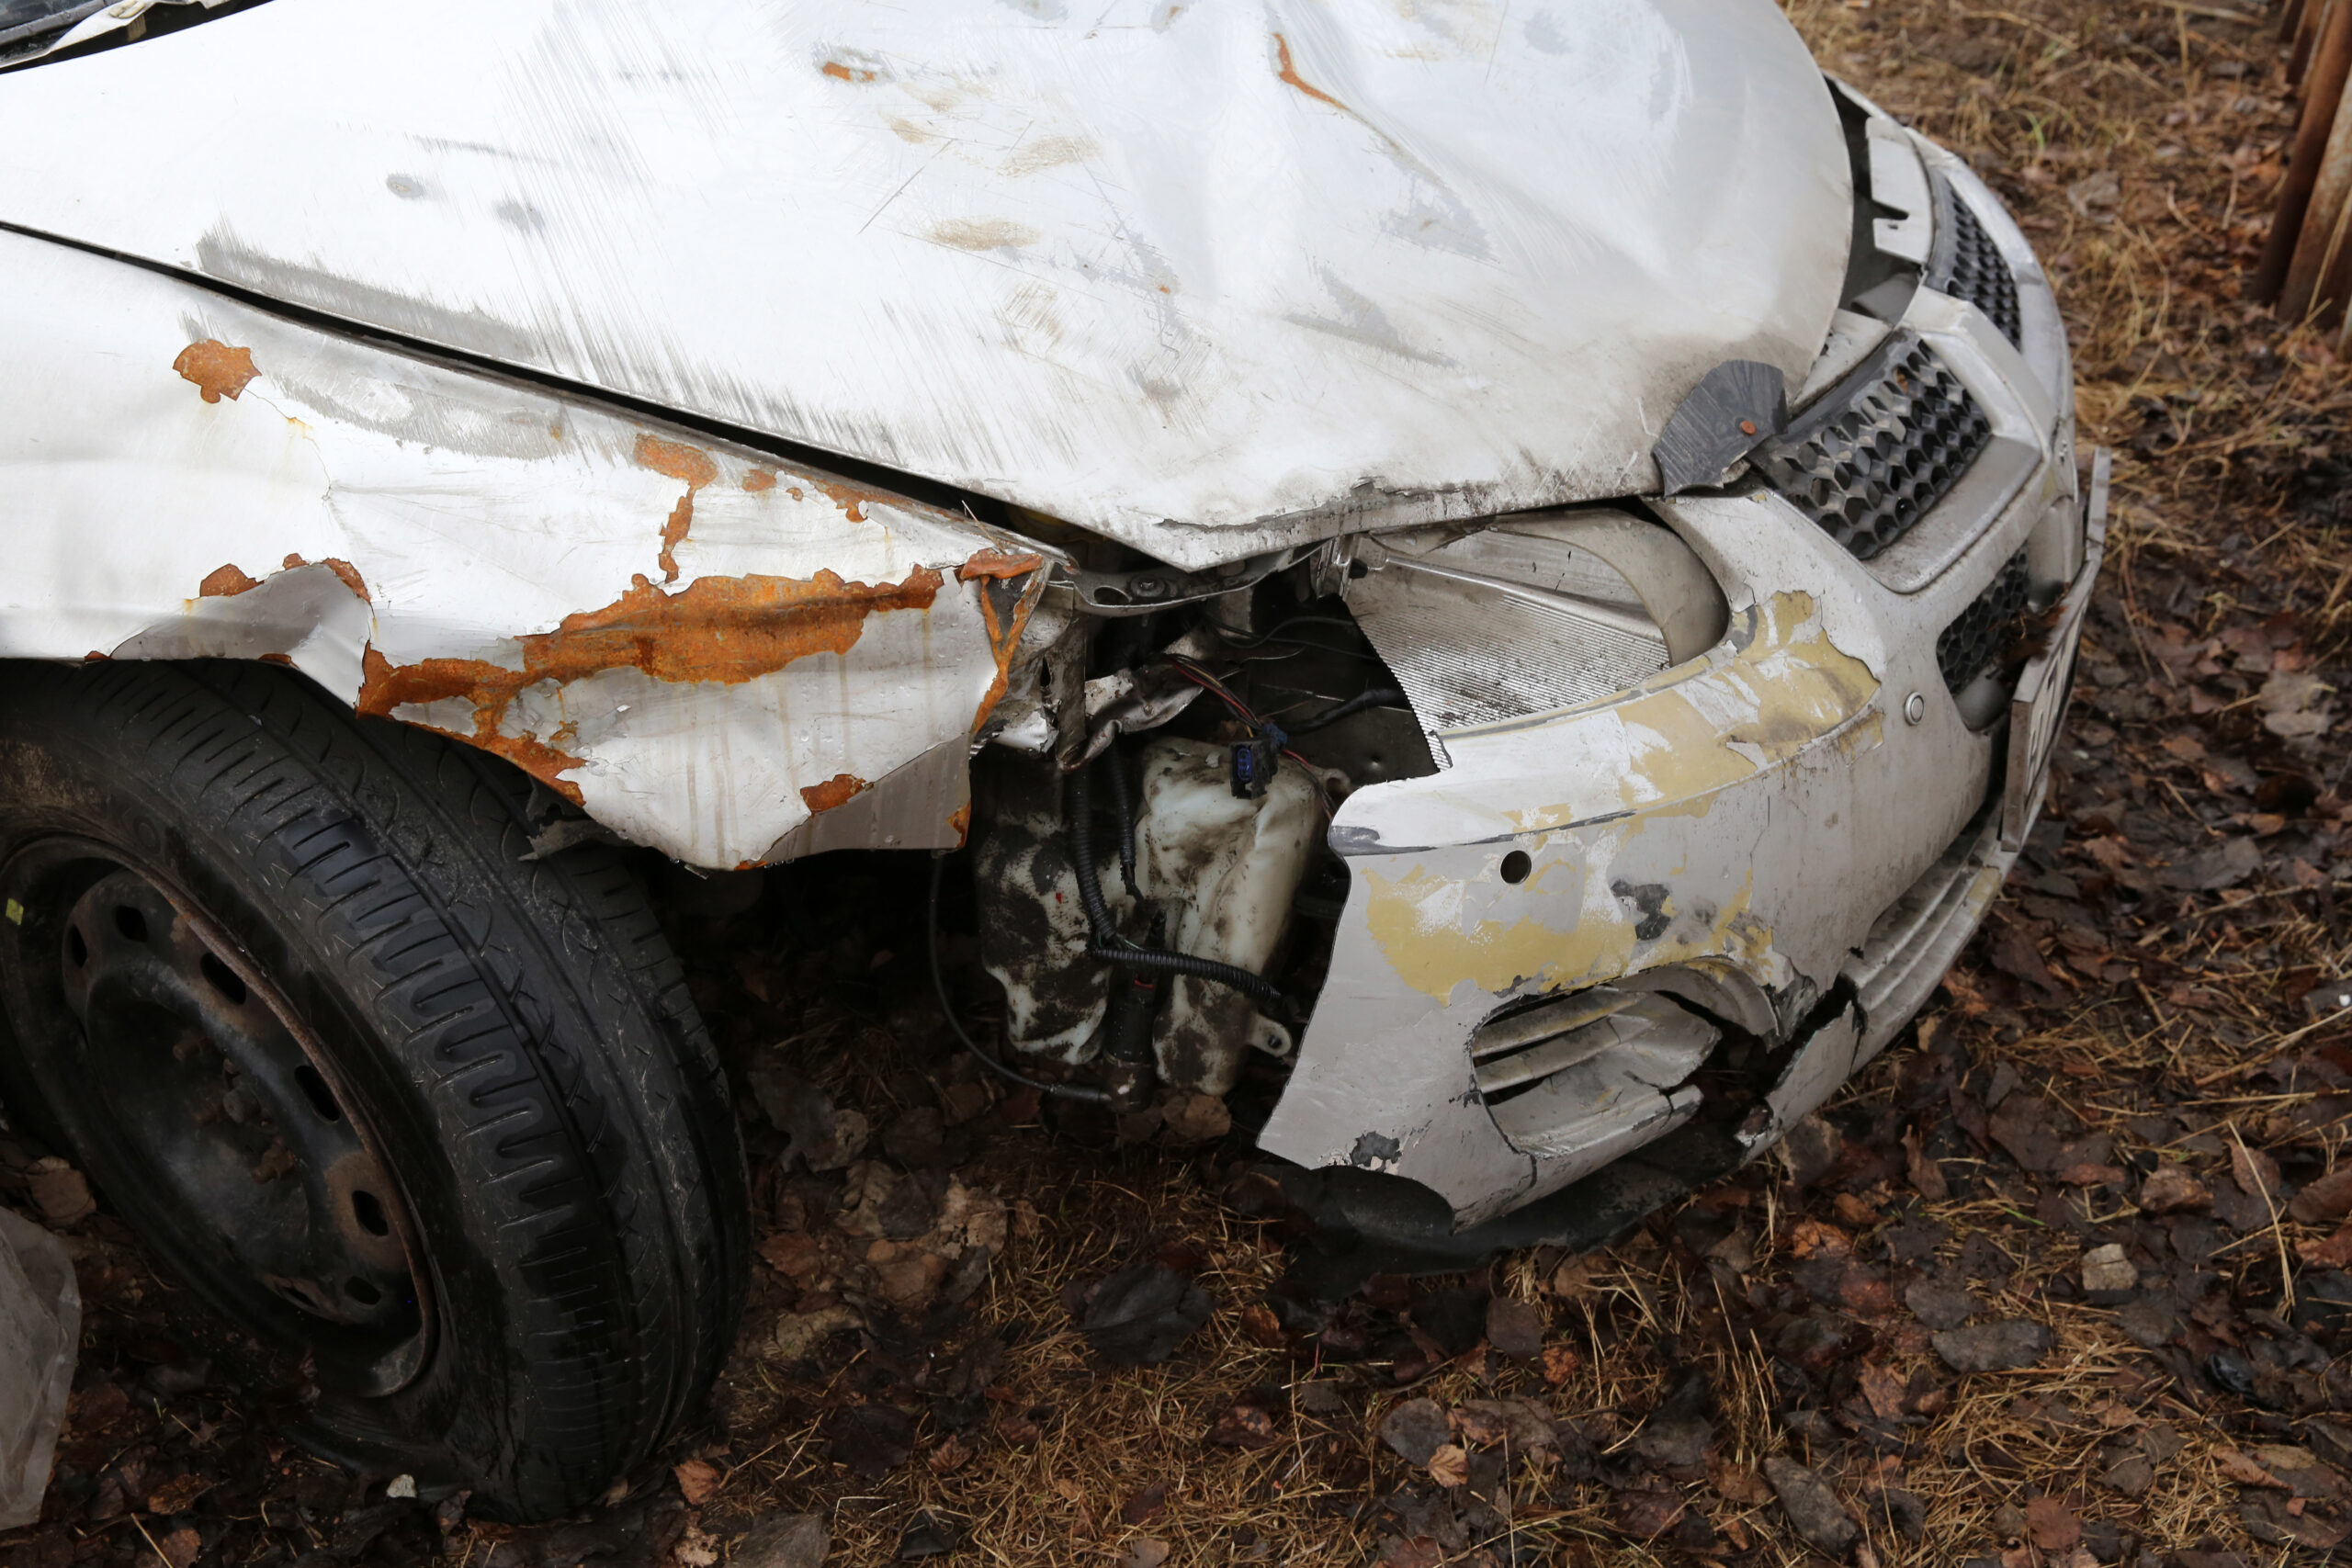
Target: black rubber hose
939, 987
1109, 946
1081, 854
1125, 813
1378, 697
1242, 980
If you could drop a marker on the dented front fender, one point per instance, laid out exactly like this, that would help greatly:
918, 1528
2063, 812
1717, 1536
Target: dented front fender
710, 651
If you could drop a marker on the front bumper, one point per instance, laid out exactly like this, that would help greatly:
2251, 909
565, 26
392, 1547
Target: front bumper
1795, 832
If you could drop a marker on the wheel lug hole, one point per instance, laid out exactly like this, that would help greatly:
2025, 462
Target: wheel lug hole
76, 948
368, 1210
363, 1293
315, 1091
130, 923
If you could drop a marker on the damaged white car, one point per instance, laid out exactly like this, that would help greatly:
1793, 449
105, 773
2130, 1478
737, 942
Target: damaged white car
1518, 566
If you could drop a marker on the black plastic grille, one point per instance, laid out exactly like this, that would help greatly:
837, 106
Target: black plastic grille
1874, 455
1968, 266
1979, 635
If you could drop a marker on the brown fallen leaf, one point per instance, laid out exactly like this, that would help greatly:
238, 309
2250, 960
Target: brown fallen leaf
1573, 1277
177, 1495
2255, 1172
1815, 1238
59, 1192
952, 1454
2172, 1190
2246, 1470
2334, 1252
1926, 1175
2052, 1525
1882, 1389
2327, 1199
180, 1547
1560, 1364
698, 1479
1144, 1551
1262, 1326
1244, 1426
1449, 1465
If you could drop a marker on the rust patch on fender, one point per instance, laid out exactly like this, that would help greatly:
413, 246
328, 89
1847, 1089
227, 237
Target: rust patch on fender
691, 467
225, 582
998, 564
341, 569
959, 822
758, 480
840, 72
835, 791
217, 370
718, 629
850, 498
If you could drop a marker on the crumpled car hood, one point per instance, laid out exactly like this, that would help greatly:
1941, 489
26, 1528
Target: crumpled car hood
1207, 280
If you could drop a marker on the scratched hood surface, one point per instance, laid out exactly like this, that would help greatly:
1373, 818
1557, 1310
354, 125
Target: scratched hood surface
1207, 279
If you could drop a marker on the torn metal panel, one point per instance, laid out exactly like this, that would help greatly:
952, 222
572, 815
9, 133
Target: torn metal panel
708, 650
1740, 820
1213, 280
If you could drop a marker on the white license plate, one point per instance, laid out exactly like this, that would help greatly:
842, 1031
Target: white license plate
2037, 709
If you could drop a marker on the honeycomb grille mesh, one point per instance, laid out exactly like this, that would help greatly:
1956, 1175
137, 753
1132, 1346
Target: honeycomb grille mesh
1969, 265
1979, 635
1875, 455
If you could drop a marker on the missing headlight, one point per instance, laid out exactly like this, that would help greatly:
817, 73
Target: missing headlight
1538, 611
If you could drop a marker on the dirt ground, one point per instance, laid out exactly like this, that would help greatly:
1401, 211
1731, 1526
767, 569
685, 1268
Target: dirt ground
2059, 1281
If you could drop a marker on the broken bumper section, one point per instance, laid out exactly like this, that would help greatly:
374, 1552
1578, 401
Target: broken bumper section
1612, 950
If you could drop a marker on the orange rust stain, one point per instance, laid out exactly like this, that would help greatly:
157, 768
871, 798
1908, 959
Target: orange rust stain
1005, 629
850, 498
998, 564
95, 654
286, 659
834, 790
224, 581
840, 72
1289, 73
758, 480
217, 370
691, 467
720, 629
343, 568
959, 822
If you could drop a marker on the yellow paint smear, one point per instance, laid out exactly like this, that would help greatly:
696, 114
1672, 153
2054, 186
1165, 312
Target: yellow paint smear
1796, 685
1415, 919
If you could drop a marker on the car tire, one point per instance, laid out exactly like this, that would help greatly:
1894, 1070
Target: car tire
433, 1117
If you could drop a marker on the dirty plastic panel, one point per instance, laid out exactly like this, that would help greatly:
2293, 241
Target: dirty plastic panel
704, 648
1207, 279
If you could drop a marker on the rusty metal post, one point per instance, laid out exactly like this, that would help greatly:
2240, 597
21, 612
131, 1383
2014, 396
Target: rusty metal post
2331, 62
2317, 247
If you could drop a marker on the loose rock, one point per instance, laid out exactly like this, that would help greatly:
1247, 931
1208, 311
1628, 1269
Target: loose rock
1992, 1347
1811, 1505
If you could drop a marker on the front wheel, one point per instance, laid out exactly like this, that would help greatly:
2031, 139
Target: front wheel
437, 1119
